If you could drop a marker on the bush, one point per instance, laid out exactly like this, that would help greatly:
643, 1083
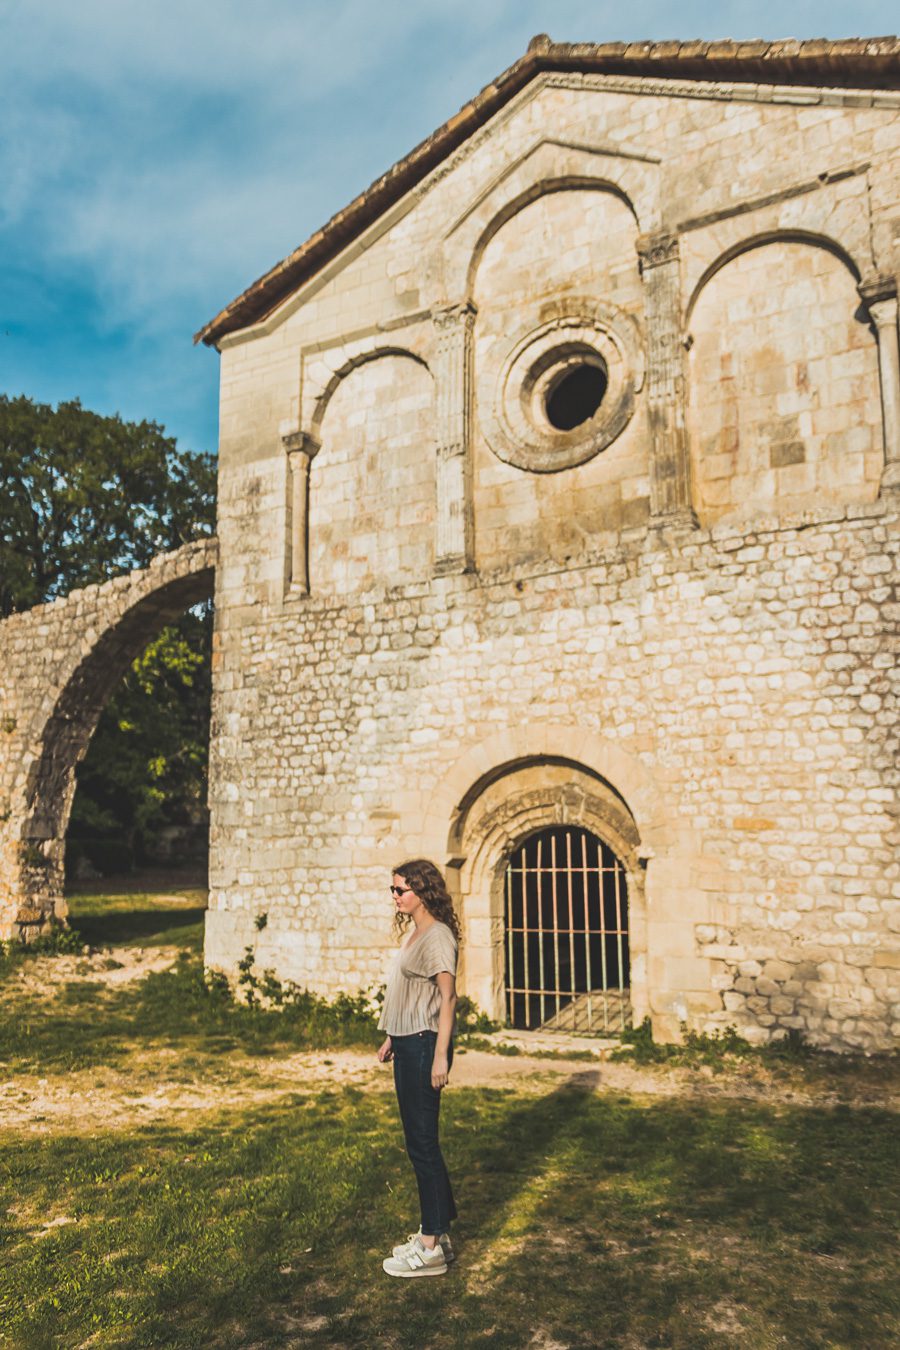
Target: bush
700, 1047
58, 940
470, 1019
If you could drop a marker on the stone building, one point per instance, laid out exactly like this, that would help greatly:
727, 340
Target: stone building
558, 497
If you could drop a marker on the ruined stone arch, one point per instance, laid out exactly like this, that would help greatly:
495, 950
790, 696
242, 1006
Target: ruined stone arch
65, 659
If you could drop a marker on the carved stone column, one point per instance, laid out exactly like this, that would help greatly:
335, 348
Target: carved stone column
452, 371
880, 298
301, 448
670, 469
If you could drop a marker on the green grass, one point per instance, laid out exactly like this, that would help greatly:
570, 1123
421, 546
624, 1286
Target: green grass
588, 1219
603, 1221
182, 1009
151, 917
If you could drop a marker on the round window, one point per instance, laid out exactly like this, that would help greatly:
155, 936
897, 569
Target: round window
562, 389
575, 396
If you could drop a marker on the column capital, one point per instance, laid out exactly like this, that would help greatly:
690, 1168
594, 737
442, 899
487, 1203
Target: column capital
449, 317
301, 448
655, 250
879, 295
297, 443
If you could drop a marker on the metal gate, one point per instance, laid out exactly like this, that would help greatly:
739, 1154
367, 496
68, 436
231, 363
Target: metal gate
566, 934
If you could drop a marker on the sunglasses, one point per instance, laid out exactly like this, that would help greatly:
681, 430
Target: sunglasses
399, 890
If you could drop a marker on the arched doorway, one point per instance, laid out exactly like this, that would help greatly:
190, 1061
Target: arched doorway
566, 936
591, 859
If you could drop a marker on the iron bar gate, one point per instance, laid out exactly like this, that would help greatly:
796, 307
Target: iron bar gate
567, 934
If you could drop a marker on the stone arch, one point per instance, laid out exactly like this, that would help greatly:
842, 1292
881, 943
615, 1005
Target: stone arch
351, 364
497, 816
784, 396
833, 215
758, 240
546, 167
522, 780
68, 658
371, 489
555, 281
545, 188
598, 755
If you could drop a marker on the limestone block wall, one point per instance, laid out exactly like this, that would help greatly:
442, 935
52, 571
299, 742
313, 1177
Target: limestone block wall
567, 246
371, 488
785, 400
737, 690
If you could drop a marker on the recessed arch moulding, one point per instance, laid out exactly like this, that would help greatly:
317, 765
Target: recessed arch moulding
512, 784
448, 273
786, 360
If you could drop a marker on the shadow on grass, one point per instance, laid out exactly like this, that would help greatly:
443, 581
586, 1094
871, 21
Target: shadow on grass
140, 926
594, 1219
604, 1222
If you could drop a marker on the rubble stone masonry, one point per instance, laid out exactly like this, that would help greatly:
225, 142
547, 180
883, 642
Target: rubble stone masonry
744, 673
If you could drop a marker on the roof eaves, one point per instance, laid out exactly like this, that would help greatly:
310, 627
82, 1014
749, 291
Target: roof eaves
852, 62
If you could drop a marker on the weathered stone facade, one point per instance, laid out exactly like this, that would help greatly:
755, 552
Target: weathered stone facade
452, 611
60, 663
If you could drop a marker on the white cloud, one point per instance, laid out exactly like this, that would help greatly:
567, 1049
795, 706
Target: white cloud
164, 154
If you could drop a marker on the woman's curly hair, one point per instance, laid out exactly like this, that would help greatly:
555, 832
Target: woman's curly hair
426, 880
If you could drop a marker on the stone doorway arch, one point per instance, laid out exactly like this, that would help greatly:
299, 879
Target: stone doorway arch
494, 818
63, 661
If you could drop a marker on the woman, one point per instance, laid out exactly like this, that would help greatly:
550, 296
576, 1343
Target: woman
419, 1007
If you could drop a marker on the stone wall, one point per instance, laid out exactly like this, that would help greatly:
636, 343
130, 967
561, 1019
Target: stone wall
586, 242
785, 399
376, 465
747, 676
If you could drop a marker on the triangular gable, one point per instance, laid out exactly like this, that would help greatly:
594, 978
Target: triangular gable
856, 63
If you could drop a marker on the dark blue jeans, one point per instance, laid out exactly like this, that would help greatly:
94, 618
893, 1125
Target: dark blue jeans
420, 1106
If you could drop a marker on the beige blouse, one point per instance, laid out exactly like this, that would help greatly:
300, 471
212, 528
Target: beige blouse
412, 1000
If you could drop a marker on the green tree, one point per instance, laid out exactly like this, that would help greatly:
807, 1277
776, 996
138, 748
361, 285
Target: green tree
145, 771
84, 498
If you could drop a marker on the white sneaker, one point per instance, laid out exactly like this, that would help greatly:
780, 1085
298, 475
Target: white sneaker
444, 1240
418, 1260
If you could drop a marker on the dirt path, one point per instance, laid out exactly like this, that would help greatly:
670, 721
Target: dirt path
154, 1087
157, 1084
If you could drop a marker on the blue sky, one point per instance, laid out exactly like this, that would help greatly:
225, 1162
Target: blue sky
155, 158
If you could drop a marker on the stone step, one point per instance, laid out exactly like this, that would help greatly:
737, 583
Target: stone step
600, 1012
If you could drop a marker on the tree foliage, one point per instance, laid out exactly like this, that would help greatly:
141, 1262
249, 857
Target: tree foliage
143, 780
85, 497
